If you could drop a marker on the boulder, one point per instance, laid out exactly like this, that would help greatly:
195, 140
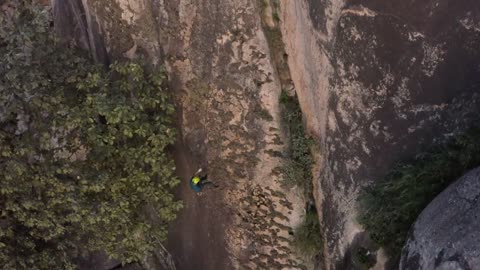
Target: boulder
446, 234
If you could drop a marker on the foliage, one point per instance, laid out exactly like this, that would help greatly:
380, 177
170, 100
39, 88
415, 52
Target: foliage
82, 151
275, 6
262, 5
298, 168
307, 238
391, 206
298, 171
366, 259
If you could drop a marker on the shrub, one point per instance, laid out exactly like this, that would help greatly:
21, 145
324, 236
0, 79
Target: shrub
82, 151
307, 237
366, 259
391, 206
298, 167
297, 171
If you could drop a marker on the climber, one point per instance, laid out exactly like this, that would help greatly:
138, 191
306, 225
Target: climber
198, 182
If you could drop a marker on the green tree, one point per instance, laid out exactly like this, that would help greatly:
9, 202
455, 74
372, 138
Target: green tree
82, 150
391, 205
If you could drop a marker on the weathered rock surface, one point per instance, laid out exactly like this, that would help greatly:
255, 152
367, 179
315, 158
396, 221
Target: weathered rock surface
227, 91
377, 80
446, 235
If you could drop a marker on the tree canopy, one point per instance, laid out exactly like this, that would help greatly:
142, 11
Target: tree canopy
83, 165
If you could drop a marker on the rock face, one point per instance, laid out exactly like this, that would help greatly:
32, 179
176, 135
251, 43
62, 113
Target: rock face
73, 23
446, 234
227, 92
377, 80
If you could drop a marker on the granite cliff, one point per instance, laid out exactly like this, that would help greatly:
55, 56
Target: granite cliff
376, 80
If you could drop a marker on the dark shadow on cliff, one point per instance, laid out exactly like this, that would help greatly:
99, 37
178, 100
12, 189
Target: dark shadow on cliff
74, 23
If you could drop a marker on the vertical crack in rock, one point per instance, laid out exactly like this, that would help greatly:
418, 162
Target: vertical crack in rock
376, 81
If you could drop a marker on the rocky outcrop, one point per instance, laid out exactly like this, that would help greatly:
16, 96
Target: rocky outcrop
227, 91
446, 234
373, 77
377, 80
